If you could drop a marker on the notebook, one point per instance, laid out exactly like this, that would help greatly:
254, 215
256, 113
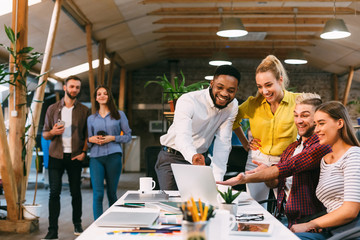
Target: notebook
128, 219
146, 197
195, 181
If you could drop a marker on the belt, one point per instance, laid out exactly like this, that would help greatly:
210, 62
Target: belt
170, 150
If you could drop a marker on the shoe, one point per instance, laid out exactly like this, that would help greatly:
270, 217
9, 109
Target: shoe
51, 235
78, 229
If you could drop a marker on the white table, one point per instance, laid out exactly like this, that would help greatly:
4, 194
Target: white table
93, 232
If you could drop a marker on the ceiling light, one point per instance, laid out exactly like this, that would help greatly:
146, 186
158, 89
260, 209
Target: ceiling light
335, 29
231, 27
220, 58
80, 68
296, 57
210, 77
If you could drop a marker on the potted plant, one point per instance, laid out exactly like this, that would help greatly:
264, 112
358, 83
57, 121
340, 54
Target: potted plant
229, 196
24, 60
173, 91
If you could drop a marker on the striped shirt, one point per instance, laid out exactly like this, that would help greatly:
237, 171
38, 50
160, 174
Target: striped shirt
340, 181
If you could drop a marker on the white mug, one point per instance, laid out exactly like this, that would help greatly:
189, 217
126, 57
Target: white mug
221, 224
146, 184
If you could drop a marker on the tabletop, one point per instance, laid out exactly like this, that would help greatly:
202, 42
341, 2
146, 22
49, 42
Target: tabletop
250, 206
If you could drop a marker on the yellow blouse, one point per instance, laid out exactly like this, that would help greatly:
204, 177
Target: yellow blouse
276, 131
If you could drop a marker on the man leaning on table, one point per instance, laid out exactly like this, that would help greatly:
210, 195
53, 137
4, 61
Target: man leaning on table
297, 173
199, 117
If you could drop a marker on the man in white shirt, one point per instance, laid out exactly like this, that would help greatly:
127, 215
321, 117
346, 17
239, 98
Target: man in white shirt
199, 117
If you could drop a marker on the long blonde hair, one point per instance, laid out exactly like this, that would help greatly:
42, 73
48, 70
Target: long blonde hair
272, 64
337, 110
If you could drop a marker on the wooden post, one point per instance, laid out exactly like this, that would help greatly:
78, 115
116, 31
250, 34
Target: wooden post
91, 72
122, 89
34, 115
111, 70
7, 174
336, 87
348, 85
17, 99
101, 69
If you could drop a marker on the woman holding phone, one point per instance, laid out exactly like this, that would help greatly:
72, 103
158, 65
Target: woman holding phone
338, 188
104, 142
270, 114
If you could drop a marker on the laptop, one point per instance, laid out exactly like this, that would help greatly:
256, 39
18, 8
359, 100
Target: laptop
128, 219
195, 181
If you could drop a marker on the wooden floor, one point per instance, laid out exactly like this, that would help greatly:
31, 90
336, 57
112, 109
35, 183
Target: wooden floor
128, 181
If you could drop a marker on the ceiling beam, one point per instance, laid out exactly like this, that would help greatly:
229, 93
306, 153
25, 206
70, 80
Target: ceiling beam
212, 38
246, 44
187, 11
247, 20
225, 1
250, 29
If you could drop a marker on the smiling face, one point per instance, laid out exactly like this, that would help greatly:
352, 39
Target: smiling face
72, 88
223, 90
304, 120
269, 87
102, 96
327, 128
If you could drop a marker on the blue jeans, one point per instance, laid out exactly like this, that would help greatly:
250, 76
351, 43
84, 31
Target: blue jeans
108, 168
56, 171
313, 236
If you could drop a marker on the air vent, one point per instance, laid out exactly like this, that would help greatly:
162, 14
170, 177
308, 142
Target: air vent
251, 36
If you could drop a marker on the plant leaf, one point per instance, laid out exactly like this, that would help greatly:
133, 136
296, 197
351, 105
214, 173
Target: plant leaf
10, 34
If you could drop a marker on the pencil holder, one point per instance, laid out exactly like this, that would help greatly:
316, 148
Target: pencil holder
194, 230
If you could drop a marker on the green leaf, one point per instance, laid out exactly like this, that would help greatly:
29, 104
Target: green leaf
25, 50
10, 34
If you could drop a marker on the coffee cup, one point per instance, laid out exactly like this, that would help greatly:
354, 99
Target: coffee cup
146, 184
221, 225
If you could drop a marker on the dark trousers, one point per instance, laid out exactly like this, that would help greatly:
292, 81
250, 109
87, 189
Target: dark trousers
56, 171
163, 169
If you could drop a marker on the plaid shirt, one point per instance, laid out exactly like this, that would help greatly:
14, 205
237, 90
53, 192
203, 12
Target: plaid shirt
305, 169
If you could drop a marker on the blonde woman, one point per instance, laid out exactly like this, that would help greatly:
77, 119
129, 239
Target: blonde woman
270, 114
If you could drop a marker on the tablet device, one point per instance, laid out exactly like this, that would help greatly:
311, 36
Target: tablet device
195, 181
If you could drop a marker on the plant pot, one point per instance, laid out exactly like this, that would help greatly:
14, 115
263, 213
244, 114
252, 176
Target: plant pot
31, 212
172, 104
231, 207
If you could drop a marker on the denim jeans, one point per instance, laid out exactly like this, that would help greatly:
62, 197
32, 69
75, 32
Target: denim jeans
313, 236
56, 171
108, 168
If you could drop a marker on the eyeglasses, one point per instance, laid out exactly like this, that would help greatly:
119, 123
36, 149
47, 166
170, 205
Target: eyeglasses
246, 217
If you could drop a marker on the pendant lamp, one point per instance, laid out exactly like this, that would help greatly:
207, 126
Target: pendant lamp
220, 58
335, 29
232, 27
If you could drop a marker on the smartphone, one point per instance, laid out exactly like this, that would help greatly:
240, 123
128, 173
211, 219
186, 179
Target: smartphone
60, 123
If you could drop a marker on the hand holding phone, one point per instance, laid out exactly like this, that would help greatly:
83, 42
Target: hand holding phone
60, 123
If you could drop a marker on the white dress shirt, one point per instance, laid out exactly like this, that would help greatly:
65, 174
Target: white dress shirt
196, 122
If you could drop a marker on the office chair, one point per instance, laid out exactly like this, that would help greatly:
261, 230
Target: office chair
236, 164
353, 233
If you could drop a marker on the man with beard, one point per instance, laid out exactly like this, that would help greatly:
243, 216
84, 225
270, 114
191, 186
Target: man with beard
297, 173
65, 126
199, 117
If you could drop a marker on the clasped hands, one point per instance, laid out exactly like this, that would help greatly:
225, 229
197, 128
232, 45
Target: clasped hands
101, 140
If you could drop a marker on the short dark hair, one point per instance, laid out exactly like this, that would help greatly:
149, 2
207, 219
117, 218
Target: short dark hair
72, 77
227, 70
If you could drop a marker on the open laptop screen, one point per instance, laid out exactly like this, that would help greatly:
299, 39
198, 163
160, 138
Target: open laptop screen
195, 181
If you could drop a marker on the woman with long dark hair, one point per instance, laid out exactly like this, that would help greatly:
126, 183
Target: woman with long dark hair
338, 188
104, 141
